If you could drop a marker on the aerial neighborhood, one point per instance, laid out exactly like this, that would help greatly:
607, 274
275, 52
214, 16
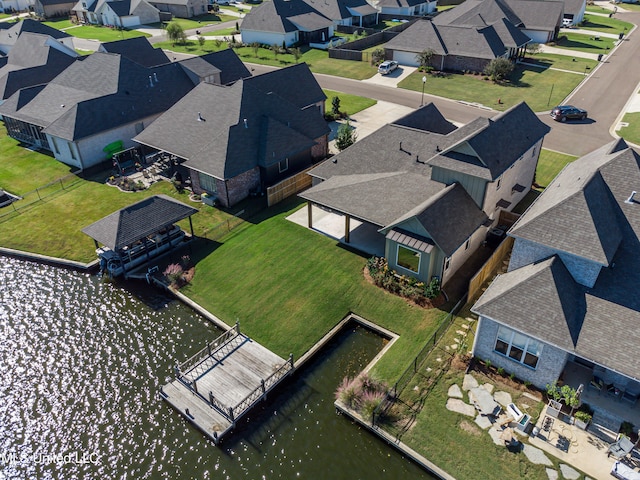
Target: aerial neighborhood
461, 180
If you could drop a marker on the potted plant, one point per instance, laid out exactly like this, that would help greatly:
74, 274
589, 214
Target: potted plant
582, 419
553, 393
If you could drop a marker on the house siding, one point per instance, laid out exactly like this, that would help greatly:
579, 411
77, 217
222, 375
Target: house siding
146, 13
237, 188
474, 186
550, 364
461, 255
426, 262
525, 252
268, 38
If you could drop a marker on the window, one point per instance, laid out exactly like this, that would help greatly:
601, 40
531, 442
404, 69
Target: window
408, 258
72, 150
283, 165
467, 243
498, 183
518, 347
447, 262
207, 183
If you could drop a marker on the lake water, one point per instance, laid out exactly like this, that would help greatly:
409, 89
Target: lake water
82, 361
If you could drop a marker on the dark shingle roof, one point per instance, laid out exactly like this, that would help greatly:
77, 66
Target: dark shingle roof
102, 92
307, 91
427, 118
602, 320
55, 2
137, 221
232, 135
8, 36
400, 3
137, 49
573, 7
226, 62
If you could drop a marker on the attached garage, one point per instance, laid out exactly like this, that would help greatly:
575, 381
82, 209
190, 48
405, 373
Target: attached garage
405, 58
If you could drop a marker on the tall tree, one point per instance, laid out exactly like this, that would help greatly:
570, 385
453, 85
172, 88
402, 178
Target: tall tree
424, 57
176, 33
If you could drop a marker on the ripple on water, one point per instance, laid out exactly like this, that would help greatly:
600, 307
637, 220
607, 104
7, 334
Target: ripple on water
84, 359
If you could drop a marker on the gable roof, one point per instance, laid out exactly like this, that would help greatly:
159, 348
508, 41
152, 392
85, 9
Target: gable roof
574, 7
427, 118
225, 62
608, 314
306, 93
137, 221
136, 49
225, 131
55, 2
33, 60
11, 31
101, 92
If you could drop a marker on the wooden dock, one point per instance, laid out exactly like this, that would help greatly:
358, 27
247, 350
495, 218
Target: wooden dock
223, 381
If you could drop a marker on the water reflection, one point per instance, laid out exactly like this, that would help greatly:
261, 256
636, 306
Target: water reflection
82, 363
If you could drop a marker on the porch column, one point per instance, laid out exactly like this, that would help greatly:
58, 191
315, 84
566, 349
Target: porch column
309, 215
347, 221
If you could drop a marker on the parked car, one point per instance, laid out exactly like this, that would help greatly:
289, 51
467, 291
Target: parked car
563, 112
567, 22
387, 66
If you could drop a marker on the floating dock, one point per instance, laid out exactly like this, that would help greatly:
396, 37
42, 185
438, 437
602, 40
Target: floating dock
223, 381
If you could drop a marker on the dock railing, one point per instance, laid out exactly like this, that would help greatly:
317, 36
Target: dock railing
188, 364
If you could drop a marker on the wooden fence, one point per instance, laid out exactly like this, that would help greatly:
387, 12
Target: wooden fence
489, 267
288, 187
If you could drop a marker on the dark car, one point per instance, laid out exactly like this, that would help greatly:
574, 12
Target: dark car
563, 112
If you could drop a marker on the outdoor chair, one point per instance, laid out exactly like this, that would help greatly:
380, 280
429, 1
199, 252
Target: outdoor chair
596, 383
621, 448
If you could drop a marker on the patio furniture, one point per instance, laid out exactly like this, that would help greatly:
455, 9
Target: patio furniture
629, 396
596, 383
621, 448
614, 391
624, 472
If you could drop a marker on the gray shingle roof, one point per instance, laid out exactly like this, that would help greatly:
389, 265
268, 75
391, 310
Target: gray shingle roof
225, 61
10, 34
573, 7
137, 49
137, 221
32, 61
400, 3
101, 92
427, 118
608, 314
222, 144
310, 22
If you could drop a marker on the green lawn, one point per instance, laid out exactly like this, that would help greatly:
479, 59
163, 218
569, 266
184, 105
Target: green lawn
103, 34
584, 43
549, 165
632, 132
289, 286
318, 60
541, 89
563, 62
5, 15
605, 24
202, 20
23, 170
632, 7
348, 103
59, 23
594, 9
224, 32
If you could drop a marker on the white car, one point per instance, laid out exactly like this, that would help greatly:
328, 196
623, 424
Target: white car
567, 23
387, 66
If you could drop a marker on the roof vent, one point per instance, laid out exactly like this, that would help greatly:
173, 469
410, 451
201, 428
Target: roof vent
630, 199
155, 77
438, 148
62, 105
200, 119
246, 125
150, 81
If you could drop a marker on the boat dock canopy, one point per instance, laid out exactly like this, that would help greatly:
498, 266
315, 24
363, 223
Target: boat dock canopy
137, 221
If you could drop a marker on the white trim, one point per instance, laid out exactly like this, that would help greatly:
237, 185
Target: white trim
398, 245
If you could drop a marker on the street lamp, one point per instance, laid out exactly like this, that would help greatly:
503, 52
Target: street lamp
424, 81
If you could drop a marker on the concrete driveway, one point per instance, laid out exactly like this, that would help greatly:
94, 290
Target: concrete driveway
392, 79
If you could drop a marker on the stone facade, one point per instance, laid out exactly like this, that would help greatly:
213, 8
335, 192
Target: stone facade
525, 252
237, 188
550, 364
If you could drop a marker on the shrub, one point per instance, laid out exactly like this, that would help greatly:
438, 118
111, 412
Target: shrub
487, 363
626, 428
173, 273
369, 402
433, 289
498, 69
583, 416
500, 371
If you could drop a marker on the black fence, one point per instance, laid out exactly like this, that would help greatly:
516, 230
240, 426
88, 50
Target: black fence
354, 50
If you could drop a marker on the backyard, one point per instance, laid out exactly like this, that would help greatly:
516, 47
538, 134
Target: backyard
350, 104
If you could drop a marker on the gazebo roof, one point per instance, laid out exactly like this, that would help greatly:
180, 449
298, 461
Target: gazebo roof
135, 222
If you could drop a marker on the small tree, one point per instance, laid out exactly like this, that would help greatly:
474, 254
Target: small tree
424, 58
377, 56
498, 69
201, 40
176, 33
255, 46
533, 48
217, 42
276, 50
335, 106
345, 137
296, 54
215, 8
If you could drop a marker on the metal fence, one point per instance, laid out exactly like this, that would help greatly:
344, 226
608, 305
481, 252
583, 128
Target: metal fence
40, 193
221, 229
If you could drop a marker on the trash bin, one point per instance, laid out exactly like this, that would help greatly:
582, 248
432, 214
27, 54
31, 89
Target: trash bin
620, 36
599, 57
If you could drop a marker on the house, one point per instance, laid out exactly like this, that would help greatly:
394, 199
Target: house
303, 22
241, 139
221, 68
406, 7
103, 98
53, 8
574, 11
136, 49
457, 47
33, 60
14, 6
181, 8
118, 13
539, 20
431, 190
10, 32
570, 296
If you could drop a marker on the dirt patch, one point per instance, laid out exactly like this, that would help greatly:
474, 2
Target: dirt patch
460, 362
470, 428
497, 378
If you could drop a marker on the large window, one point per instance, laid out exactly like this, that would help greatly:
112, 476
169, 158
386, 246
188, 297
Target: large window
408, 258
207, 183
518, 347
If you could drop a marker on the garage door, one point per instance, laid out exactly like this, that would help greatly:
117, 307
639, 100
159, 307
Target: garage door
405, 58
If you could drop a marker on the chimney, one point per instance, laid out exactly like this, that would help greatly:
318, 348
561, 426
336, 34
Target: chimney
631, 199
246, 125
150, 81
155, 77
